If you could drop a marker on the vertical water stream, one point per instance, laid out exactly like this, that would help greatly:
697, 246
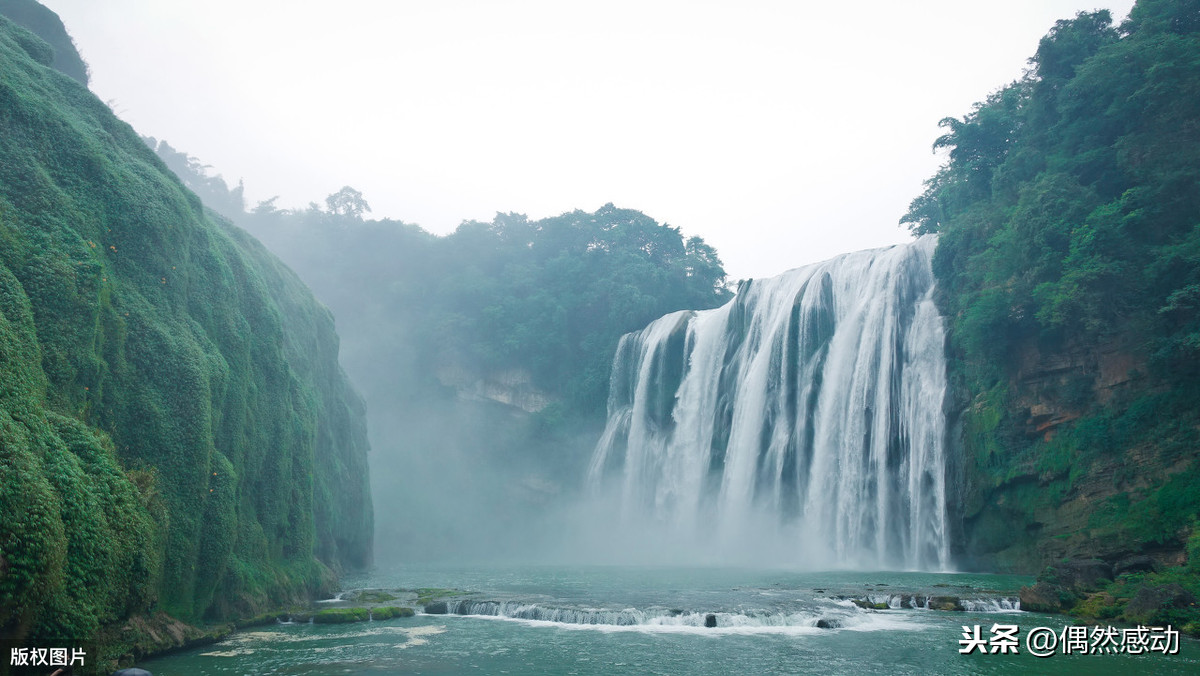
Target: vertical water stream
806, 410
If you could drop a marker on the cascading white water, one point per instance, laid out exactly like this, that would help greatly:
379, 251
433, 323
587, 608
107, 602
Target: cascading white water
807, 411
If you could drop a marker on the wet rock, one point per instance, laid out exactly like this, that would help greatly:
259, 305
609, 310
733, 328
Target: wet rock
945, 603
1135, 564
368, 596
1062, 585
710, 620
868, 605
1047, 597
1152, 603
828, 624
437, 608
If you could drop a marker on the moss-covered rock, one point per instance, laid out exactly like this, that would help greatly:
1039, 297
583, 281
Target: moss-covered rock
388, 612
1160, 605
369, 596
948, 603
123, 645
341, 615
1047, 597
427, 595
175, 431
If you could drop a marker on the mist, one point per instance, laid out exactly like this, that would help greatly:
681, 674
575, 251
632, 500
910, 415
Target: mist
482, 357
783, 133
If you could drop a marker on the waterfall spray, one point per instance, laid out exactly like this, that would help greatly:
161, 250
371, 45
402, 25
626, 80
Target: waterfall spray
807, 411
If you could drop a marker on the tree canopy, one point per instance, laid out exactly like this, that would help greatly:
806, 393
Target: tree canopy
1069, 204
550, 296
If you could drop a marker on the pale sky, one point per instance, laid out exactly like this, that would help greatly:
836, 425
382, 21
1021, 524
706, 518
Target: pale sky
781, 132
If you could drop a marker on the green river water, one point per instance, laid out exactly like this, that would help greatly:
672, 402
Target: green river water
650, 620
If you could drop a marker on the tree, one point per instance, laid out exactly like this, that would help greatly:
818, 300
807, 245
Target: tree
347, 202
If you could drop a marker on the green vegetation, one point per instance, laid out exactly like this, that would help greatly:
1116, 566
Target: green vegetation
1068, 215
341, 615
175, 431
345, 615
1069, 209
437, 330
388, 612
58, 49
550, 296
427, 595
370, 596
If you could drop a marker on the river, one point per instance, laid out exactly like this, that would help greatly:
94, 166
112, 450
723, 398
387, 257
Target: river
651, 620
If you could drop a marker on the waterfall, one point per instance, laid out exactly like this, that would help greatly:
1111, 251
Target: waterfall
806, 412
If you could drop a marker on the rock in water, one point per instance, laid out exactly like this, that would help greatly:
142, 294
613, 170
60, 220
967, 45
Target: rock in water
828, 624
1062, 585
945, 603
1045, 597
710, 620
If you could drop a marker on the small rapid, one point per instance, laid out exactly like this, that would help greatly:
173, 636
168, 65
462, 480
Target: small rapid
815, 614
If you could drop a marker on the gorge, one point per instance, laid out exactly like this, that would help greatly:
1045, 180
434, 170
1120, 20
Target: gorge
575, 423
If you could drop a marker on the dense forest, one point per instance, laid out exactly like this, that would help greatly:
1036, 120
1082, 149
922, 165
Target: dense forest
175, 432
551, 296
484, 355
1068, 264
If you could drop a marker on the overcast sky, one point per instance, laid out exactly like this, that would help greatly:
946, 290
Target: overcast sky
780, 132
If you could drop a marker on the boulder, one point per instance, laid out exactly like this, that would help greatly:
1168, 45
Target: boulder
828, 624
1047, 597
710, 620
945, 603
437, 608
1152, 603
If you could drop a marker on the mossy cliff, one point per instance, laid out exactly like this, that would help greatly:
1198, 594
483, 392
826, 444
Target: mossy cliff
175, 432
1068, 266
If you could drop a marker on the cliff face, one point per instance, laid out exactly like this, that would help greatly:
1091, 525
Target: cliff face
175, 430
1093, 458
510, 387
